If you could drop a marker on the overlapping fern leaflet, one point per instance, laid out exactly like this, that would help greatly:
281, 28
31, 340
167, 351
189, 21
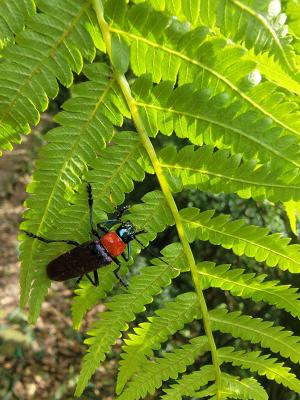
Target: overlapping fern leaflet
45, 52
258, 24
122, 309
150, 335
63, 161
249, 285
13, 16
161, 369
232, 387
206, 62
262, 364
250, 240
257, 331
215, 120
217, 171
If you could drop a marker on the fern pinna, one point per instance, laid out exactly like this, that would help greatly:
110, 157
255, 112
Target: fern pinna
220, 81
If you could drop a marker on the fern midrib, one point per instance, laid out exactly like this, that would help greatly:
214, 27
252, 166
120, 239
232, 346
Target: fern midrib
258, 333
50, 54
229, 178
223, 125
269, 250
251, 287
222, 78
267, 27
73, 150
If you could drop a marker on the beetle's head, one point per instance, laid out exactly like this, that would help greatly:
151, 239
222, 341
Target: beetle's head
127, 231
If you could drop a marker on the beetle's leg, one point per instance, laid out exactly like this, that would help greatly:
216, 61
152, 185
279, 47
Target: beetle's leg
117, 218
126, 257
98, 249
124, 283
90, 202
102, 228
96, 278
32, 235
94, 283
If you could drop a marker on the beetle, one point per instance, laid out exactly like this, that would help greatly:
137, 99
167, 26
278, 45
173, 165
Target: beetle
102, 250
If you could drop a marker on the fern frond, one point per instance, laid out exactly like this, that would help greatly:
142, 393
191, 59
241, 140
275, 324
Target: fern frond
274, 72
160, 369
150, 335
260, 25
250, 240
152, 213
232, 387
235, 388
218, 172
188, 384
293, 14
257, 330
158, 47
249, 285
70, 148
45, 52
216, 120
122, 309
262, 364
13, 16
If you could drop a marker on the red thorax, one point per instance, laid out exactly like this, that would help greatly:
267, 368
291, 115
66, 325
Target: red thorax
113, 244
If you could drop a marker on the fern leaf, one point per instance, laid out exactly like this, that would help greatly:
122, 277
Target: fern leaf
162, 368
149, 335
257, 331
61, 166
262, 364
274, 72
235, 388
260, 25
245, 239
249, 285
216, 172
122, 310
293, 14
188, 384
13, 16
42, 55
216, 120
158, 47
